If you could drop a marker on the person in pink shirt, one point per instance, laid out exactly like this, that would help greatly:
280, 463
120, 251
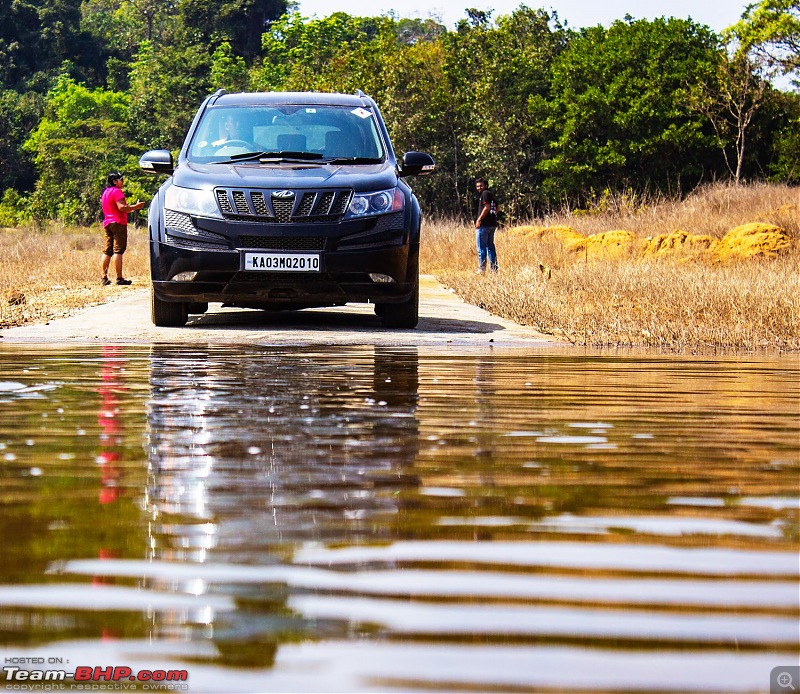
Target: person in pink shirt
115, 223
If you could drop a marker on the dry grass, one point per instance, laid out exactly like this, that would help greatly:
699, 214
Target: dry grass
590, 280
51, 273
713, 210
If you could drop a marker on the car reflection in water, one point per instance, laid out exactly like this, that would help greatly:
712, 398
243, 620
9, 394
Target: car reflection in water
252, 454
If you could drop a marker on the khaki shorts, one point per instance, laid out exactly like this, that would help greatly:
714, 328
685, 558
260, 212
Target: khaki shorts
116, 239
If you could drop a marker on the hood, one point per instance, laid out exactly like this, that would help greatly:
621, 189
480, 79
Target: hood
254, 175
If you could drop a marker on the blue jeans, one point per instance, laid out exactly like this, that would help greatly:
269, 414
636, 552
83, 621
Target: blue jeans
484, 238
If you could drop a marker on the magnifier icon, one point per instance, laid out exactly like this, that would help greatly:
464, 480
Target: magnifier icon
785, 680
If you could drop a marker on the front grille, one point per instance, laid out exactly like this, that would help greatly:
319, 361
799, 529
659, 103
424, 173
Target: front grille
182, 222
323, 206
283, 243
283, 209
339, 205
240, 201
283, 206
306, 204
194, 244
259, 204
388, 230
225, 203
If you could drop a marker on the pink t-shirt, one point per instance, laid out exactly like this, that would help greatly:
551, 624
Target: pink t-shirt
111, 212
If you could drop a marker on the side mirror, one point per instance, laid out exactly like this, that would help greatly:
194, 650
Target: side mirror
157, 161
417, 164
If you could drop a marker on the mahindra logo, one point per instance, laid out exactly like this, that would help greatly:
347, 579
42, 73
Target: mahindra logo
283, 194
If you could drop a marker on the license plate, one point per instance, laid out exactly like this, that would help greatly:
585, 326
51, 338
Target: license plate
282, 262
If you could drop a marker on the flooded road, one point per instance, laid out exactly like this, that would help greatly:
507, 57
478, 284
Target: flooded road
365, 518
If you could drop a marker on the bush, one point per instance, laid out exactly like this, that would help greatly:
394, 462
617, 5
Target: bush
11, 208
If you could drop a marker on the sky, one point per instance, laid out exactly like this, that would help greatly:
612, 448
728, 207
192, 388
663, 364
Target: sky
717, 14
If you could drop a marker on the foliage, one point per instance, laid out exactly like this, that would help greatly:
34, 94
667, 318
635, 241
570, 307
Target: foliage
166, 89
730, 103
323, 54
618, 113
547, 114
239, 22
82, 136
784, 163
19, 114
11, 212
37, 36
418, 109
771, 28
496, 71
228, 71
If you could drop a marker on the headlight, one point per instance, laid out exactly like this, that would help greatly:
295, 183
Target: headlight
200, 203
364, 204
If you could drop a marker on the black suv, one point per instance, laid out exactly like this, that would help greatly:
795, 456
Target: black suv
285, 201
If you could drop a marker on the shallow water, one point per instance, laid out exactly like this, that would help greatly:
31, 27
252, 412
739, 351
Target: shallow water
366, 519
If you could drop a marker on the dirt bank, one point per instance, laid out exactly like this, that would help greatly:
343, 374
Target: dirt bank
444, 319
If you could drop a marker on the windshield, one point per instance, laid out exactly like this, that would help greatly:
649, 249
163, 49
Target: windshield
309, 133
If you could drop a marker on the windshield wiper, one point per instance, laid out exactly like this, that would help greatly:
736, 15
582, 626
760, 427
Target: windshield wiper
353, 160
289, 155
271, 156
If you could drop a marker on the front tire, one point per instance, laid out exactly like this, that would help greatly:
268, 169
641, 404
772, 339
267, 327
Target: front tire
405, 315
167, 314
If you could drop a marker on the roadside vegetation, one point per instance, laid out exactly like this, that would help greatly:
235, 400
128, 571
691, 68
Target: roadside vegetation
719, 270
627, 272
51, 272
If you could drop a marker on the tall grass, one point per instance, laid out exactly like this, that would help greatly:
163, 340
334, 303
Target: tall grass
631, 300
712, 209
52, 272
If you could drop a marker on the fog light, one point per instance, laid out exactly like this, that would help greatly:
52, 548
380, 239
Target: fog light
184, 277
377, 277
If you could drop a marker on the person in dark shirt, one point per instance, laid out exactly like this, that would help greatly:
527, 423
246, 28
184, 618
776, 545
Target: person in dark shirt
485, 226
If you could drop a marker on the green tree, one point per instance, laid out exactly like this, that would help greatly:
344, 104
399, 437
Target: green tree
19, 114
730, 102
167, 86
619, 115
771, 28
239, 22
418, 109
495, 71
228, 71
336, 53
38, 36
784, 138
82, 136
121, 25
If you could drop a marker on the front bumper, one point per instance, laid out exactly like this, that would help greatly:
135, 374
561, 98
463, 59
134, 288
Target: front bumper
355, 255
344, 277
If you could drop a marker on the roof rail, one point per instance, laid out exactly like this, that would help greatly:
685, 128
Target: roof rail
218, 94
359, 93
